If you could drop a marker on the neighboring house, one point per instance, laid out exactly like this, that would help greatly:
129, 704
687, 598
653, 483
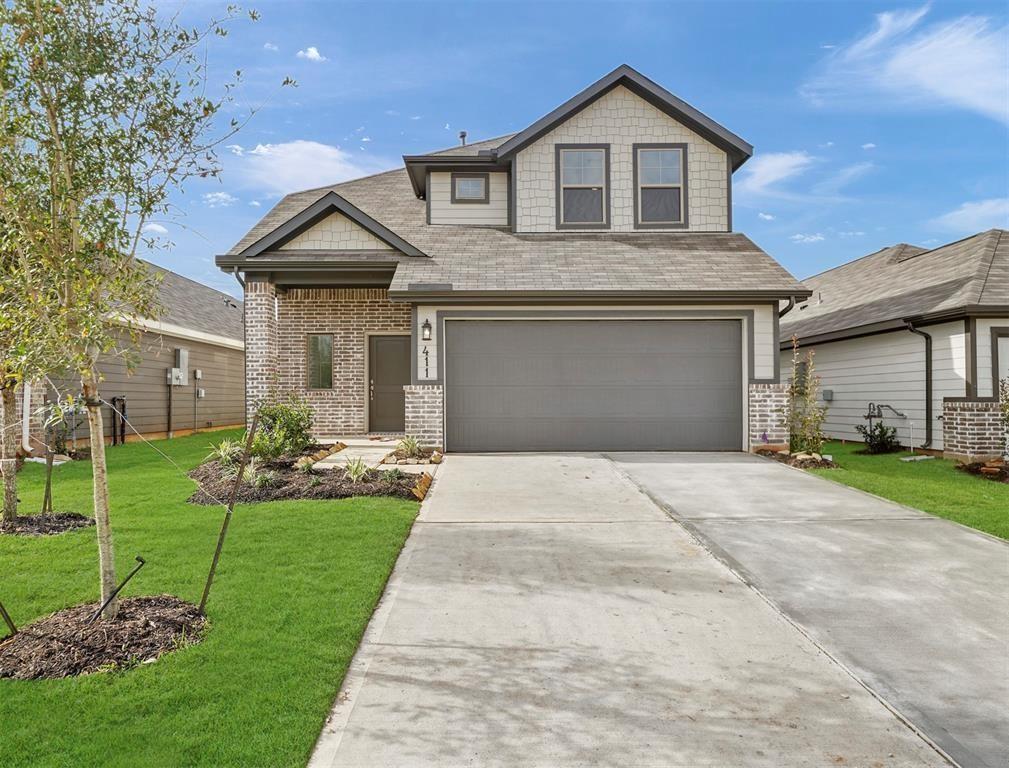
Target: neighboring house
206, 325
925, 332
574, 286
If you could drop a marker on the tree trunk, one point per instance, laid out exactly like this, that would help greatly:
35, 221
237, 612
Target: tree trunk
106, 556
8, 455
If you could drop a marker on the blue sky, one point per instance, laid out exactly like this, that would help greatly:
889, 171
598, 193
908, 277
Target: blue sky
873, 123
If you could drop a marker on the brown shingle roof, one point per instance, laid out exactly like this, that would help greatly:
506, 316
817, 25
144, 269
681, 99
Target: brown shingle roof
198, 307
905, 281
496, 259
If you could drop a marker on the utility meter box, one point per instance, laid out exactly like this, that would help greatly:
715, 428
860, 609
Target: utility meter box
180, 371
201, 393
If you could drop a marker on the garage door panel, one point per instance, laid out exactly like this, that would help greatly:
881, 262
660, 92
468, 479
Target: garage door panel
593, 385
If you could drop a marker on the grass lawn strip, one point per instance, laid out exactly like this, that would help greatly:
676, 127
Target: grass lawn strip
934, 486
297, 584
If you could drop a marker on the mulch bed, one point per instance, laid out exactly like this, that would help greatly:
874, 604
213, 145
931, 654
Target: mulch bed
290, 484
46, 525
65, 645
997, 470
803, 461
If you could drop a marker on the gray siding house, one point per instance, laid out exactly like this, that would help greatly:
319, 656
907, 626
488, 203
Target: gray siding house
574, 286
200, 327
924, 331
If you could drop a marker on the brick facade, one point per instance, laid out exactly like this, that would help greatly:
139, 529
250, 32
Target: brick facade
768, 417
260, 343
425, 414
972, 429
349, 314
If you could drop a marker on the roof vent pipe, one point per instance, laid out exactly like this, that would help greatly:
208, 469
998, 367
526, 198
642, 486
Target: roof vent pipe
928, 382
462, 138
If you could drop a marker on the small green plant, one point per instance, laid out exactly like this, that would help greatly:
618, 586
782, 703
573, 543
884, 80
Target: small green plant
805, 415
409, 447
1003, 409
249, 473
393, 475
266, 479
878, 437
355, 470
227, 451
305, 465
314, 481
285, 428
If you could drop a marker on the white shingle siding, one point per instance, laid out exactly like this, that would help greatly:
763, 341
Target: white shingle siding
492, 213
984, 372
335, 233
888, 368
622, 119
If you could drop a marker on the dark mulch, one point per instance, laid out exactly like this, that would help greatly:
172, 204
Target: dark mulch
46, 525
65, 645
997, 471
804, 463
290, 483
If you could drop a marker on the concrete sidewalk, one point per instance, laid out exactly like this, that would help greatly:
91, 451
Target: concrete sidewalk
915, 605
546, 613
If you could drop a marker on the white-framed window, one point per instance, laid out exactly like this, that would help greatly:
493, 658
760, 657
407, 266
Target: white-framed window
660, 195
583, 186
470, 188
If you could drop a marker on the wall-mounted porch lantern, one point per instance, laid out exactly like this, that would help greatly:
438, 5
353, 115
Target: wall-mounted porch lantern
425, 331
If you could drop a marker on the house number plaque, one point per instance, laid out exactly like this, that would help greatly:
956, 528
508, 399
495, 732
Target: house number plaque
427, 363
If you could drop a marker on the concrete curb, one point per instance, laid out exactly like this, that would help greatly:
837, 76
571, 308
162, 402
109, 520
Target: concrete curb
740, 573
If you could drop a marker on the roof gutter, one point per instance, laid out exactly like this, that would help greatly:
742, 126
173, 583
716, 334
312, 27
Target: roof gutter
928, 382
788, 307
238, 277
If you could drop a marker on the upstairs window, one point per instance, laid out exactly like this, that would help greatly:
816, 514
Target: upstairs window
583, 186
470, 188
320, 361
660, 172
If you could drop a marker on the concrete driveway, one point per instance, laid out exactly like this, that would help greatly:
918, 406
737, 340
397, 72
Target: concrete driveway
914, 605
545, 612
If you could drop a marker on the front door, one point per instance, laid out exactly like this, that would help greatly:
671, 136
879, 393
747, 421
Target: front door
388, 373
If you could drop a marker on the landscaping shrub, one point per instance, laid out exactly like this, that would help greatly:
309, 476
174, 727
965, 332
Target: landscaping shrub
1003, 409
227, 451
285, 428
805, 415
410, 448
356, 469
878, 437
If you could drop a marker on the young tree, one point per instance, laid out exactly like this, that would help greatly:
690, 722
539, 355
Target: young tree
805, 414
103, 110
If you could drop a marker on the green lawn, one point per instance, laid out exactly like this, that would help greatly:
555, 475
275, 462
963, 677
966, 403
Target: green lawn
296, 586
933, 486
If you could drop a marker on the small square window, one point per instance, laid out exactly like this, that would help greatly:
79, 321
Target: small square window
470, 188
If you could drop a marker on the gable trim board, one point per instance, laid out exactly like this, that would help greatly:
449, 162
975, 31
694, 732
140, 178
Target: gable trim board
319, 210
656, 95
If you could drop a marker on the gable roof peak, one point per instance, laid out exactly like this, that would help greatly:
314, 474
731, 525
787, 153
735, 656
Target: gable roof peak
739, 151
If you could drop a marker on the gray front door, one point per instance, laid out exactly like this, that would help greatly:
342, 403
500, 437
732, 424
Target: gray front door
591, 385
388, 373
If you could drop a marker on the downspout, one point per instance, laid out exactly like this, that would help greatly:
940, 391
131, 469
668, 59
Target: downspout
928, 382
238, 277
788, 307
26, 416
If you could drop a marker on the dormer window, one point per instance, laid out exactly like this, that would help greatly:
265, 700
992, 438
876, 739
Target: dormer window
583, 190
470, 188
660, 185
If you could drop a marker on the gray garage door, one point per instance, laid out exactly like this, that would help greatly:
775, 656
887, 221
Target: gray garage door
584, 385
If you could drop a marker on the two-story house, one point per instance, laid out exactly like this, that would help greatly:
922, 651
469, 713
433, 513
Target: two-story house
574, 286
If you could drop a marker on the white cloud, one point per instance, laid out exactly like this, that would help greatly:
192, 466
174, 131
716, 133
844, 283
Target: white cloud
296, 165
366, 138
392, 113
827, 144
155, 229
218, 199
976, 216
235, 149
254, 203
415, 117
802, 238
868, 145
853, 233
765, 216
833, 184
903, 62
828, 47
764, 172
446, 126
311, 54
270, 47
